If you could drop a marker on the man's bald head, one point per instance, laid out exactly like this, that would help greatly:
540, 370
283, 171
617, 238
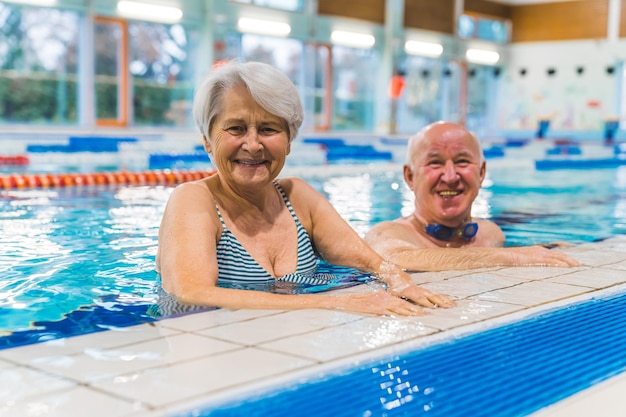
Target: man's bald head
435, 132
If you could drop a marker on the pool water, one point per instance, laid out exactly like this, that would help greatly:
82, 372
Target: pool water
78, 260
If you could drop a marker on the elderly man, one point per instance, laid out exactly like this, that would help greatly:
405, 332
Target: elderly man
445, 169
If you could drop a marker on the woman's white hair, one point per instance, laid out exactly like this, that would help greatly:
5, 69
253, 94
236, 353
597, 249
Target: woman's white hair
268, 86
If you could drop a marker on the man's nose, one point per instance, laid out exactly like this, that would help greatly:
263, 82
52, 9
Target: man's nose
449, 172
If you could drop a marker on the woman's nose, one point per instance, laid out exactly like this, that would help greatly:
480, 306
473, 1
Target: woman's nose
251, 140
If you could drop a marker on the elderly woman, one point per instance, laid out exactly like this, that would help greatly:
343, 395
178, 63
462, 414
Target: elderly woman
243, 225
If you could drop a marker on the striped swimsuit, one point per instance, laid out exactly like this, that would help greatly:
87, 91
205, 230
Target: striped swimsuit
236, 266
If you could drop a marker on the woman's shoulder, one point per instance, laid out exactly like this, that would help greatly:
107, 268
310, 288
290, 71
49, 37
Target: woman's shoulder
192, 190
294, 185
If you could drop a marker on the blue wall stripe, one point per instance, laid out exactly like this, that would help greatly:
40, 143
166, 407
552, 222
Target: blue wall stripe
508, 371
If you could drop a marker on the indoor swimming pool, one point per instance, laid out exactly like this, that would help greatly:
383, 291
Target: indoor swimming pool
80, 263
82, 259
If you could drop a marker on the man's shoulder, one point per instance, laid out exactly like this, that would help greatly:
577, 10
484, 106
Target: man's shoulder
386, 227
490, 233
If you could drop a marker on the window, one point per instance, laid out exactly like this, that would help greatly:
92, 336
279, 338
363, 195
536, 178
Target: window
291, 5
354, 72
162, 74
38, 65
472, 26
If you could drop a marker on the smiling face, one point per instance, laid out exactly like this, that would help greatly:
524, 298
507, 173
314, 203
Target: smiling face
247, 144
445, 173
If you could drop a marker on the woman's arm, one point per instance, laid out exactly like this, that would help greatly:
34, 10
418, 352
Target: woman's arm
187, 263
339, 244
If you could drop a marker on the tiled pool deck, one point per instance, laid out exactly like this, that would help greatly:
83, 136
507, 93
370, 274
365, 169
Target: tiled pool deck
175, 364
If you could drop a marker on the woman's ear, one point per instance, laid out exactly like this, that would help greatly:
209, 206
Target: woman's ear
207, 145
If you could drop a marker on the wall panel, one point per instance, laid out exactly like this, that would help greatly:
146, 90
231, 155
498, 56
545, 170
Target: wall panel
570, 20
488, 8
437, 16
368, 10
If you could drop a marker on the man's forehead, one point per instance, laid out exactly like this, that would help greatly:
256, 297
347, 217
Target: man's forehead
458, 142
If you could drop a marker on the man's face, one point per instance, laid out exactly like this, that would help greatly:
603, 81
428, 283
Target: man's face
446, 176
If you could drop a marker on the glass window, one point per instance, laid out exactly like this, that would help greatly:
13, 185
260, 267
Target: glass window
481, 96
292, 5
110, 70
421, 101
38, 65
484, 28
162, 76
282, 53
354, 74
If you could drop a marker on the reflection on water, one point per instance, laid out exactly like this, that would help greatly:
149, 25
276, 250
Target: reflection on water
76, 248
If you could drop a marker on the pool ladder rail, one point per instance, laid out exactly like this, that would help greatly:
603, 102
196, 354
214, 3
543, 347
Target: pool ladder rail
59, 180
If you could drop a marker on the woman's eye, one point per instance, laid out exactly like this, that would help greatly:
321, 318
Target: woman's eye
236, 130
268, 131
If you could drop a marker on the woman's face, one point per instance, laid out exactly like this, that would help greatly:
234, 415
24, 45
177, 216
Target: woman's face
248, 145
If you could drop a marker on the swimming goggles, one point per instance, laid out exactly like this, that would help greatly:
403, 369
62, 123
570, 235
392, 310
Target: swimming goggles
441, 232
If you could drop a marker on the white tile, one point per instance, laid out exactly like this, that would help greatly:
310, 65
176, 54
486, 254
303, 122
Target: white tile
467, 312
615, 244
536, 273
618, 265
96, 364
291, 323
355, 337
600, 257
187, 380
75, 402
19, 382
593, 278
472, 284
207, 319
532, 293
423, 277
71, 345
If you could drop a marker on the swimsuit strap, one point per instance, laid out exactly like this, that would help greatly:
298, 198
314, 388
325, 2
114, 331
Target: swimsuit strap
282, 194
286, 200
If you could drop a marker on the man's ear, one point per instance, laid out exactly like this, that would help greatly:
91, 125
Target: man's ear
483, 171
408, 175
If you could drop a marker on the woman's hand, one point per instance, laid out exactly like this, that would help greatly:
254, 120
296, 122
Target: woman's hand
401, 285
379, 302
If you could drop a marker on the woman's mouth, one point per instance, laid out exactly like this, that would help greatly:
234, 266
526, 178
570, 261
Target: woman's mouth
249, 162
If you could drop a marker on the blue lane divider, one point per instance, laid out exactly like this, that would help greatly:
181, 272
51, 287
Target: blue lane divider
493, 152
564, 150
548, 164
508, 371
358, 152
328, 142
516, 143
84, 144
168, 160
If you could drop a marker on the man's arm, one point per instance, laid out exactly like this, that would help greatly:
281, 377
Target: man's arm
402, 246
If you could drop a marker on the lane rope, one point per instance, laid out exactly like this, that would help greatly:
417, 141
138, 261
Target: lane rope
58, 180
